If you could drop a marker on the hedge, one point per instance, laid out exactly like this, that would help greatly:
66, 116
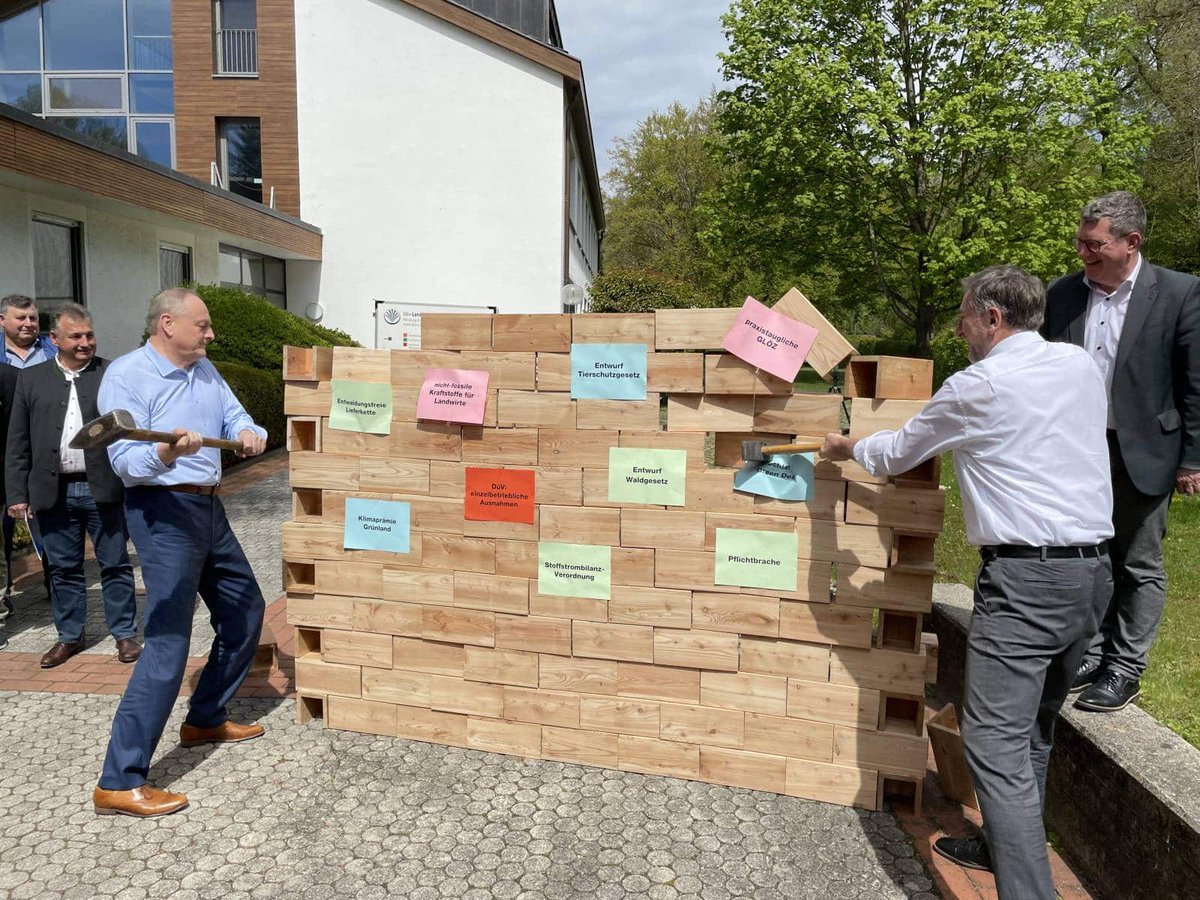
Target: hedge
261, 392
641, 291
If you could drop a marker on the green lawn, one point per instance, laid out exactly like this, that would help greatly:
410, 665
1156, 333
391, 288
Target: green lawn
1171, 686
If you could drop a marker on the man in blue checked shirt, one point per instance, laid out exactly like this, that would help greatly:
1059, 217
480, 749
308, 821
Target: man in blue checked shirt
185, 546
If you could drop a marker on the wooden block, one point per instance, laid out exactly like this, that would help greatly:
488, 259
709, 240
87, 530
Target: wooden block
517, 667
830, 347
739, 768
899, 631
884, 670
600, 640
835, 703
911, 553
618, 715
845, 470
396, 686
304, 434
316, 677
608, 328
533, 633
654, 682
417, 655
307, 363
426, 514
804, 413
863, 586
926, 475
425, 440
459, 626
633, 566
444, 551
577, 524
901, 789
550, 333
311, 398
381, 617
745, 522
592, 676
631, 605
654, 757
712, 491
830, 783
727, 447
309, 707
795, 737
613, 415
908, 509
554, 372
456, 331
896, 754
514, 371
692, 329
595, 492
409, 366
523, 409
827, 501
429, 586
574, 448
553, 607
558, 486
470, 698
321, 611
307, 504
517, 559
690, 724
585, 748
699, 412
889, 377
362, 364
929, 646
825, 623
494, 736
725, 374
365, 716
736, 613
869, 416
675, 529
690, 441
299, 576
863, 545
902, 715
504, 531
323, 470
954, 777
474, 590
308, 643
500, 447
393, 475
323, 541
541, 707
356, 649
693, 570
764, 656
354, 443
430, 726
675, 373
750, 693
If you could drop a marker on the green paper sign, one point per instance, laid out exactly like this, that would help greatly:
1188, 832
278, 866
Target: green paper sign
760, 559
638, 475
361, 406
574, 570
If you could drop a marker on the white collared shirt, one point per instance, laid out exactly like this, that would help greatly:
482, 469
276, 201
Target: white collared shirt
1026, 425
1103, 326
70, 460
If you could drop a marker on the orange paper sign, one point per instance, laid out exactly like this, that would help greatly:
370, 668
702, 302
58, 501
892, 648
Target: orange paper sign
499, 495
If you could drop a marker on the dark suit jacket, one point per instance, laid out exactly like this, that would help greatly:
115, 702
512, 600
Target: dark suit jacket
8, 389
1156, 375
35, 432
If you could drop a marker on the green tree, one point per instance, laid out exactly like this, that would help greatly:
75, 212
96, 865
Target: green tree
905, 143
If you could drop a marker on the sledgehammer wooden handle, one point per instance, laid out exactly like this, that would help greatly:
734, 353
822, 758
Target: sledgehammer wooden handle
166, 437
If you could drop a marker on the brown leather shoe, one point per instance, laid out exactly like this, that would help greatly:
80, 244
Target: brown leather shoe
128, 650
225, 733
60, 653
143, 802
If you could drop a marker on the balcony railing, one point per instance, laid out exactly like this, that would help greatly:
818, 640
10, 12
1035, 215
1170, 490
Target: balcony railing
151, 51
237, 51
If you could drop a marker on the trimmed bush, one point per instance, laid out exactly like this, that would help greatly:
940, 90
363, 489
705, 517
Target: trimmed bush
872, 345
261, 392
949, 355
641, 291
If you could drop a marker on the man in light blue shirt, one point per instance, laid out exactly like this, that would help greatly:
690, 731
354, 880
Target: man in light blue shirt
185, 546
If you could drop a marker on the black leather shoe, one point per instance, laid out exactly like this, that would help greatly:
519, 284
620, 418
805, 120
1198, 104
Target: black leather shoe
970, 853
1112, 691
1086, 675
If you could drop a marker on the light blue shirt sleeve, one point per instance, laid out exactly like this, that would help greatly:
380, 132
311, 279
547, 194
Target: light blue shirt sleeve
131, 460
939, 427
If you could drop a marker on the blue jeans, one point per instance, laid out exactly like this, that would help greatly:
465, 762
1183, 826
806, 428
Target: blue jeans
63, 526
185, 546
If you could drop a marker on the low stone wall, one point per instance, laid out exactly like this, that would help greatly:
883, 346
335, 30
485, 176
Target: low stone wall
1124, 792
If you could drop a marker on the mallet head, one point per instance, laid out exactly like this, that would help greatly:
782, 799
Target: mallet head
101, 432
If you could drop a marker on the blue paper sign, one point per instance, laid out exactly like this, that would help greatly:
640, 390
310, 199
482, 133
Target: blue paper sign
608, 371
376, 525
785, 476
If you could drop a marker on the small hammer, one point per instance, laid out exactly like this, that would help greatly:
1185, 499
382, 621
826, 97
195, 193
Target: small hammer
118, 425
754, 451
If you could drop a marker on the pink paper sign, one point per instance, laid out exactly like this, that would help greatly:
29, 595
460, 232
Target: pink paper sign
769, 340
453, 395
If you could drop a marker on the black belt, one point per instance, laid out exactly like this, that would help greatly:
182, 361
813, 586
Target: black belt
1022, 551
206, 490
73, 476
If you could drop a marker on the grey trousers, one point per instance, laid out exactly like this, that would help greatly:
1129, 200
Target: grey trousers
1128, 629
1030, 628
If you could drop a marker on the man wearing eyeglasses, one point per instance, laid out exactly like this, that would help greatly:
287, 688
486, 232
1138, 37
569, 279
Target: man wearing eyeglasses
1141, 325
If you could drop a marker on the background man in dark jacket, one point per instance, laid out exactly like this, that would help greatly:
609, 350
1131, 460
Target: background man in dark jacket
69, 491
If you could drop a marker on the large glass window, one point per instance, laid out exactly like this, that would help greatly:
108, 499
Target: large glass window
111, 130
85, 93
84, 35
57, 265
20, 42
22, 91
241, 156
149, 24
255, 273
152, 94
174, 266
152, 140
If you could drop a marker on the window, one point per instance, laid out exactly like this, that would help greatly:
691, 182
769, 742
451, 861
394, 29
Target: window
22, 91
20, 43
240, 150
84, 35
174, 266
235, 37
253, 272
153, 94
154, 140
149, 27
78, 94
57, 265
111, 130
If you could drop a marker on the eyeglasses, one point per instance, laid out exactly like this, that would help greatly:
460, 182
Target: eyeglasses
1091, 246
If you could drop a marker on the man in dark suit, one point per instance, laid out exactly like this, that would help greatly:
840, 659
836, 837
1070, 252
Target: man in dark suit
1141, 325
8, 387
71, 492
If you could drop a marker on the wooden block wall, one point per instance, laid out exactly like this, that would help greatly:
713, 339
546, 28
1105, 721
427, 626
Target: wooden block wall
816, 693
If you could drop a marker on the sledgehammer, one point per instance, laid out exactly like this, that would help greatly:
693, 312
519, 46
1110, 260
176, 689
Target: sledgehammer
754, 451
118, 425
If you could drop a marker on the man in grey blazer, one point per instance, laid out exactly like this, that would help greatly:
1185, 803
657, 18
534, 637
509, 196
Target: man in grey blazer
1141, 325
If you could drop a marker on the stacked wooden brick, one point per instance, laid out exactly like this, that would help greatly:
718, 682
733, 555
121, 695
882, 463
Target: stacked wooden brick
816, 693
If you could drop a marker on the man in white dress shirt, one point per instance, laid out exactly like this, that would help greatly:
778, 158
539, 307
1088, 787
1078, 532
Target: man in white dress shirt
1026, 425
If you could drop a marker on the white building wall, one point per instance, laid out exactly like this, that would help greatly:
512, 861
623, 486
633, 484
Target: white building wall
431, 159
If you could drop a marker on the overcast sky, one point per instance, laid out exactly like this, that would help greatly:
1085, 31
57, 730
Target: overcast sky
640, 56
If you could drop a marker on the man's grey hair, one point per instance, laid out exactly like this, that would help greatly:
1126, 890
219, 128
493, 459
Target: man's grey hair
16, 301
71, 311
169, 302
1020, 297
1125, 211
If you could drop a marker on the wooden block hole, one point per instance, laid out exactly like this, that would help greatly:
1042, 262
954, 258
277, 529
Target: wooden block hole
309, 708
927, 475
300, 577
903, 793
308, 642
306, 502
903, 715
299, 364
861, 375
899, 631
304, 434
266, 659
913, 553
